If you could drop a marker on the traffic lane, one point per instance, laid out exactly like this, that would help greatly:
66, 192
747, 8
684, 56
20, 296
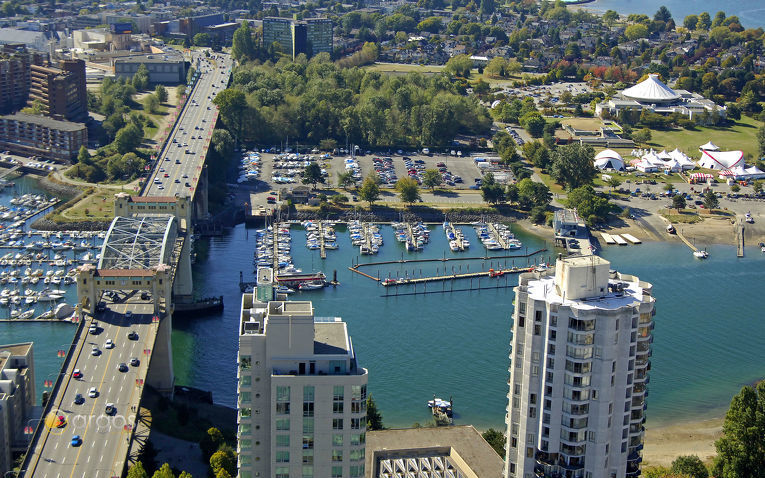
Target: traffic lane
111, 391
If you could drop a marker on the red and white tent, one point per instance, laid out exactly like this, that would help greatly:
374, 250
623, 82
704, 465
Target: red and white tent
721, 159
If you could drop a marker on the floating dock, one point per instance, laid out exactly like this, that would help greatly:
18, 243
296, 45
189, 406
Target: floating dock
607, 237
465, 275
618, 239
631, 238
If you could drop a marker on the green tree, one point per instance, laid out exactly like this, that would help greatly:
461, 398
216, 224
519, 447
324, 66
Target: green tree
588, 204
572, 165
223, 144
678, 201
636, 31
408, 190
137, 471
210, 443
662, 14
128, 138
312, 175
432, 178
164, 472
704, 21
223, 474
690, 465
710, 200
614, 183
370, 190
511, 193
740, 451
232, 105
690, 22
642, 136
757, 187
202, 39
185, 474
491, 191
374, 417
243, 46
161, 92
761, 140
346, 179
533, 194
140, 79
223, 459
151, 104
459, 65
84, 156
610, 17
534, 123
496, 439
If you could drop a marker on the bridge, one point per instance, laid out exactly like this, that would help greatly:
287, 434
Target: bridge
125, 303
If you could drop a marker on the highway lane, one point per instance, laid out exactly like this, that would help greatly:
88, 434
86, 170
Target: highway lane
191, 133
104, 437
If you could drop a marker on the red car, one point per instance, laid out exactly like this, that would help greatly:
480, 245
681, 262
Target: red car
77, 373
270, 200
167, 175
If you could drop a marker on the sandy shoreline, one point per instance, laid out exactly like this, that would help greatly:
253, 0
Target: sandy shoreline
665, 443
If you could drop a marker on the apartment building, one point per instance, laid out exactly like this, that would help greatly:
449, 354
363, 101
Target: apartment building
301, 394
31, 135
17, 398
15, 63
60, 91
578, 372
310, 36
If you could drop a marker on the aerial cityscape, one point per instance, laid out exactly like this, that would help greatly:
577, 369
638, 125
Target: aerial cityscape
500, 239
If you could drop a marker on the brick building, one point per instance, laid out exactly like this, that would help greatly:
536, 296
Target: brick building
15, 63
60, 91
31, 135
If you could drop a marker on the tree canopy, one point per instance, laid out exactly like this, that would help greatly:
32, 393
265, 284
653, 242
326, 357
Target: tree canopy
374, 417
312, 175
432, 178
408, 190
591, 207
572, 165
740, 451
370, 190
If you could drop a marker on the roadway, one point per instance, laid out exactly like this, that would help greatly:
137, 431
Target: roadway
179, 166
105, 440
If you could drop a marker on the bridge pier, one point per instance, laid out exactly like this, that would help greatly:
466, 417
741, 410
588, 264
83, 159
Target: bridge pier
161, 375
201, 196
183, 286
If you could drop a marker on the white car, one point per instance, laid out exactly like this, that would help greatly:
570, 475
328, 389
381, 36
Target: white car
93, 392
109, 344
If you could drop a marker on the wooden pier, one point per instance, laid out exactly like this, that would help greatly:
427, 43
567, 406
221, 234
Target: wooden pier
322, 249
686, 241
465, 275
739, 238
449, 259
497, 236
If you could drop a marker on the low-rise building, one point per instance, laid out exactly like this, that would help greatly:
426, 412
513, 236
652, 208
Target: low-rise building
458, 451
60, 91
17, 399
31, 135
166, 67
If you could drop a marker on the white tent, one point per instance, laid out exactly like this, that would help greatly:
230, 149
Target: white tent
741, 173
684, 161
651, 90
710, 146
646, 166
673, 165
653, 159
721, 159
664, 155
609, 158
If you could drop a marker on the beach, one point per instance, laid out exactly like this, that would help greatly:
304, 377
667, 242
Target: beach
665, 443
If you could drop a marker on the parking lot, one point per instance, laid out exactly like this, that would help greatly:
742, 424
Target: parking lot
457, 172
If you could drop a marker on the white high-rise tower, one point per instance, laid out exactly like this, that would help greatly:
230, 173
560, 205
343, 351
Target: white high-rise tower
578, 372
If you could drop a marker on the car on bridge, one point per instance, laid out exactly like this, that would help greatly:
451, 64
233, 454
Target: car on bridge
77, 373
128, 314
95, 351
110, 409
109, 344
93, 392
76, 440
135, 362
133, 335
79, 399
122, 367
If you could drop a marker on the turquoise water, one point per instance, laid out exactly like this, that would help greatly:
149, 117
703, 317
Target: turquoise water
751, 13
48, 338
708, 336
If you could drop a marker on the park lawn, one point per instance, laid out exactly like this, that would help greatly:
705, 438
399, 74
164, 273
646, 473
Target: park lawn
401, 68
554, 187
97, 206
742, 135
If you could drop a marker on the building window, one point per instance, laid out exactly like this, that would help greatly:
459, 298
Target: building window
245, 380
338, 393
282, 440
337, 439
283, 408
282, 394
245, 412
357, 423
308, 442
337, 455
282, 472
357, 454
308, 457
308, 425
307, 471
357, 471
357, 439
245, 429
337, 472
308, 393
308, 409
337, 423
245, 397
282, 424
337, 407
245, 444
282, 457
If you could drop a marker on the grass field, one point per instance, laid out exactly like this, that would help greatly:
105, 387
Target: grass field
402, 68
97, 206
739, 136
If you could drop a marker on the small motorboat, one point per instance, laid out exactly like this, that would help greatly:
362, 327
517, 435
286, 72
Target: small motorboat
700, 254
671, 229
311, 286
748, 218
283, 289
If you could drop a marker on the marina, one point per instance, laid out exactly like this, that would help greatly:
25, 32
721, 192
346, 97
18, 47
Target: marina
366, 236
456, 238
413, 236
496, 236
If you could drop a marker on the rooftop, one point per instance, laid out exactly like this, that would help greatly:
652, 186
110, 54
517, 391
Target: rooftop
330, 338
10, 350
462, 446
44, 121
